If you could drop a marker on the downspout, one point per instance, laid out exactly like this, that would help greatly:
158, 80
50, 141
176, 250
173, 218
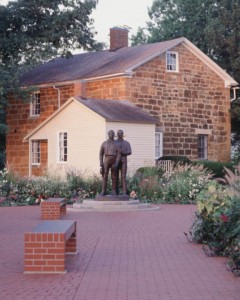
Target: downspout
59, 94
234, 92
30, 159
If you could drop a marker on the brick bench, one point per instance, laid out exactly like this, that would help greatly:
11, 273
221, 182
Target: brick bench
46, 246
53, 208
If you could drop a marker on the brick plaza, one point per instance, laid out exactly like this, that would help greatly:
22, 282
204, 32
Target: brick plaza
135, 255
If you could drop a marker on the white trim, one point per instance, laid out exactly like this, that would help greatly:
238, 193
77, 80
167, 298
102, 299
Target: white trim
160, 144
33, 105
30, 159
127, 74
33, 153
58, 147
177, 61
64, 83
204, 148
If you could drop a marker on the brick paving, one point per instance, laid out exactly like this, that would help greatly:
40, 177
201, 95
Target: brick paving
135, 255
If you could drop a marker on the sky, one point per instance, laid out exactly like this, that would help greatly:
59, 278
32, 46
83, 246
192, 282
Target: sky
112, 13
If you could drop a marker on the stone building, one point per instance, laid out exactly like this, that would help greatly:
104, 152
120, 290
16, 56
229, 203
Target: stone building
172, 81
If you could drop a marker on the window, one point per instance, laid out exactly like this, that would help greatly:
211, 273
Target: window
35, 104
35, 152
158, 145
63, 146
202, 146
172, 61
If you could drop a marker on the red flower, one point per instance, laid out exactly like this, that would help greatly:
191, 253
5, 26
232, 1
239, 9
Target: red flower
224, 218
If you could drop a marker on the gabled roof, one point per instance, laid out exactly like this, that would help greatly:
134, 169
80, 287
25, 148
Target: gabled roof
105, 63
110, 110
118, 111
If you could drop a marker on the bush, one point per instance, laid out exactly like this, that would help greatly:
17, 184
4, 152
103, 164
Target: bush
84, 188
26, 191
146, 184
2, 159
150, 189
185, 183
182, 186
4, 183
215, 167
146, 172
217, 221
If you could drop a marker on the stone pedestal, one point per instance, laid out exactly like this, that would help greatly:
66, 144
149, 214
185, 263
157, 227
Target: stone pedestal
107, 204
112, 198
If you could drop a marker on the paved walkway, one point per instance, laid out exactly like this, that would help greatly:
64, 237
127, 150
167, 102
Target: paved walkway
137, 255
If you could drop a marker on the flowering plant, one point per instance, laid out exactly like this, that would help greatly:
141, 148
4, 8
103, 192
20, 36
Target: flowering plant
133, 195
217, 222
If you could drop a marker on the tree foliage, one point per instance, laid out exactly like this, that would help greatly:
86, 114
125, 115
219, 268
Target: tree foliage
34, 31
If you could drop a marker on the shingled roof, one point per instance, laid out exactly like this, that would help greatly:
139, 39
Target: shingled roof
111, 110
95, 64
118, 111
87, 66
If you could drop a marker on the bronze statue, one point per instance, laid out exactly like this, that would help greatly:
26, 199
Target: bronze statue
108, 157
124, 149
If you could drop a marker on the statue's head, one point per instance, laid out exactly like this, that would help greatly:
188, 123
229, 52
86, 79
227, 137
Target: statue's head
120, 133
111, 134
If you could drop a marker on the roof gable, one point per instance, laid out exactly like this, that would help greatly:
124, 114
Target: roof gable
111, 110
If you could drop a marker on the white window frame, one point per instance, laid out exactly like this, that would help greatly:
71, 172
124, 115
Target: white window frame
35, 105
202, 147
36, 153
172, 62
62, 146
158, 144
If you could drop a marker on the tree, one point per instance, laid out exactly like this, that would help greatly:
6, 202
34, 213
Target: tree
223, 35
176, 18
213, 26
34, 31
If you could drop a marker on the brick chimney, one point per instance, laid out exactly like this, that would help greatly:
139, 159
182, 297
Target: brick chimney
118, 38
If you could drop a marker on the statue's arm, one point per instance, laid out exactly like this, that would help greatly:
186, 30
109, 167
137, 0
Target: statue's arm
101, 154
127, 149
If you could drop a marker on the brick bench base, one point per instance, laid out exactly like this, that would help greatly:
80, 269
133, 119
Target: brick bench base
53, 208
46, 247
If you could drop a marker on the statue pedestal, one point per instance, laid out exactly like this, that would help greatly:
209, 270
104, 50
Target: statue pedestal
112, 203
112, 198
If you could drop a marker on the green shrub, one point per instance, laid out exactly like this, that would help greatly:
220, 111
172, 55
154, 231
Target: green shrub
2, 159
146, 184
185, 183
4, 183
26, 191
217, 221
182, 186
84, 188
146, 172
150, 189
215, 167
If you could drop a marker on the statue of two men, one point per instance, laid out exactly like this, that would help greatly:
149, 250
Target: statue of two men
113, 156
